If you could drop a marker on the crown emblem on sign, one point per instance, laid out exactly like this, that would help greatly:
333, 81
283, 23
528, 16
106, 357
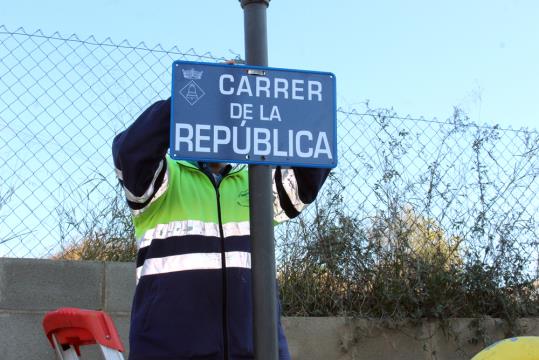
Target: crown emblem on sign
192, 74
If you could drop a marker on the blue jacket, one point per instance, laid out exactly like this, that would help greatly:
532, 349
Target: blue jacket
193, 294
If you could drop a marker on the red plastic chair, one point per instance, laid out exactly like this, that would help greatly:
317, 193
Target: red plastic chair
69, 328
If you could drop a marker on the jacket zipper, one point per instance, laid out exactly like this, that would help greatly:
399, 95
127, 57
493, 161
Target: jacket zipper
223, 270
223, 263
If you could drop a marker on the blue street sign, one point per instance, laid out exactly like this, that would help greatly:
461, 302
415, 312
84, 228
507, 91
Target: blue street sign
251, 114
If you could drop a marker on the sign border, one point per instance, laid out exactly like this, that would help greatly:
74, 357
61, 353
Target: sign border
257, 162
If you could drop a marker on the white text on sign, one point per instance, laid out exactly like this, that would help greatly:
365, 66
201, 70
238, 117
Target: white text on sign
258, 86
246, 140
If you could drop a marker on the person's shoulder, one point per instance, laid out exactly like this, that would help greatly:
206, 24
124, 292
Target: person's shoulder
240, 169
180, 163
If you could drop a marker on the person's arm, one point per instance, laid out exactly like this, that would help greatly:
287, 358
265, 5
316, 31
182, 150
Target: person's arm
295, 188
139, 155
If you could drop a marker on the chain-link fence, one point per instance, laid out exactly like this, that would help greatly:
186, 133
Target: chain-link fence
62, 99
407, 187
422, 218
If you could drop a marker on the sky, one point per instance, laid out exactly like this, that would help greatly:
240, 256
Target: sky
421, 58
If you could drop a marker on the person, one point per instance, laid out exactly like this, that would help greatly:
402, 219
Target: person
193, 265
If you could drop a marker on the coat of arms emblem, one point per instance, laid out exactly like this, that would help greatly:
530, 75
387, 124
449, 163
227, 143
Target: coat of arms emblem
192, 92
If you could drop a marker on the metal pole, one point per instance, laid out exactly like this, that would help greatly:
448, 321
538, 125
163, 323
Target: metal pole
261, 205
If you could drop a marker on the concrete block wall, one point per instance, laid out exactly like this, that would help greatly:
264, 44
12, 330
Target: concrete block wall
340, 338
29, 288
